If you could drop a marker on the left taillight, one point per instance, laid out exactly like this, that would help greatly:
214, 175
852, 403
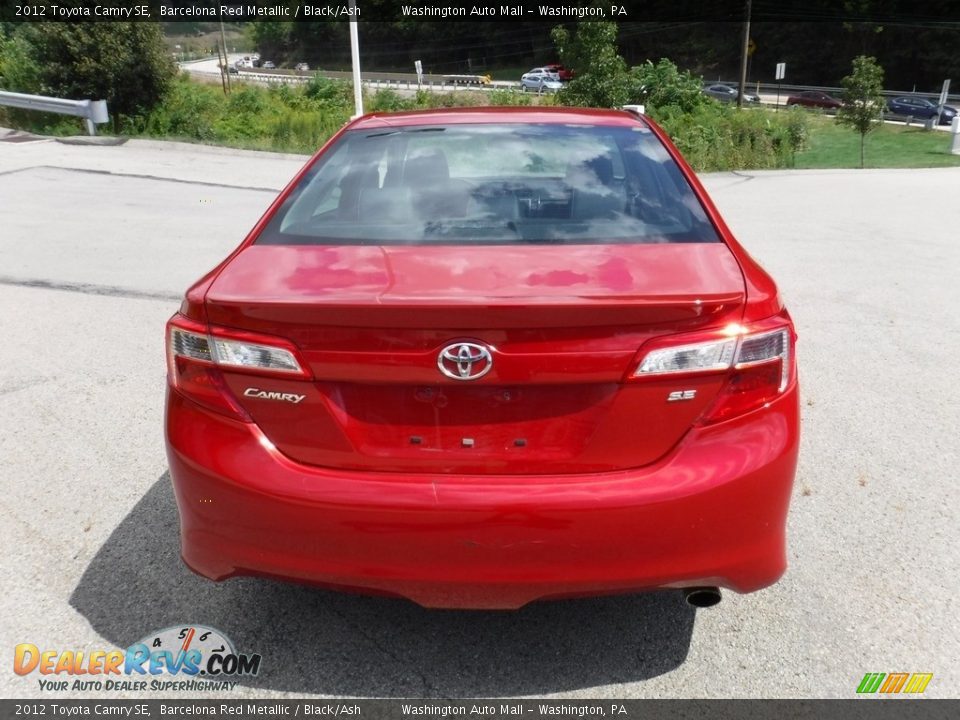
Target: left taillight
758, 360
196, 353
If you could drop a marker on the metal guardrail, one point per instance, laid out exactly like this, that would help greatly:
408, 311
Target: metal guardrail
768, 88
374, 80
94, 112
408, 81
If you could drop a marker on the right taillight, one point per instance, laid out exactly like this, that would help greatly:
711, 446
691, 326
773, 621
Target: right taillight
761, 372
758, 362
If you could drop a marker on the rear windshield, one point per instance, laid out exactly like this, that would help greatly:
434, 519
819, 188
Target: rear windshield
492, 184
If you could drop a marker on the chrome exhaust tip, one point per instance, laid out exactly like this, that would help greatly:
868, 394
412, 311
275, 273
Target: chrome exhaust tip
702, 597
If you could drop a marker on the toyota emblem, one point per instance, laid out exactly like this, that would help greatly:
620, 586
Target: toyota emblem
465, 361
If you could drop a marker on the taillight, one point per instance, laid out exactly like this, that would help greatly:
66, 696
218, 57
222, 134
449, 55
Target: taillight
758, 361
195, 354
696, 357
761, 372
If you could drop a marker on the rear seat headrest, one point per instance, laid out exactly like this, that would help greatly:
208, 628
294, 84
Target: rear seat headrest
427, 168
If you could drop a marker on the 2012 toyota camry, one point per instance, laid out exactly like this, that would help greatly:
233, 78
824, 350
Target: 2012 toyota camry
481, 357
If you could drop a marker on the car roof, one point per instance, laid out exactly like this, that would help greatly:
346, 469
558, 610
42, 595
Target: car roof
493, 115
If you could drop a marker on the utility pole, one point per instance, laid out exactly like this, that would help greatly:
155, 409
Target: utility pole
355, 61
744, 55
223, 69
226, 60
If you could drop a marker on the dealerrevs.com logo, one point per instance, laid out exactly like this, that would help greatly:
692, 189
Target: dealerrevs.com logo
183, 658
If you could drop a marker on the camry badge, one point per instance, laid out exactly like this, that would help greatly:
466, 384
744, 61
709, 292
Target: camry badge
465, 361
272, 395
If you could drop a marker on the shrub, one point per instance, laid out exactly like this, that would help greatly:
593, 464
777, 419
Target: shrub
508, 96
189, 111
718, 137
247, 100
386, 100
324, 90
303, 131
663, 84
459, 98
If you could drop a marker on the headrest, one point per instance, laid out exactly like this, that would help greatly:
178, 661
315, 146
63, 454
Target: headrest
427, 168
596, 170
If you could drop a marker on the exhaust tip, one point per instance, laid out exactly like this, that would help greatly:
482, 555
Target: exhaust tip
702, 597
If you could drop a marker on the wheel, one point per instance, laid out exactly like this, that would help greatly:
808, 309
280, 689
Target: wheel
523, 88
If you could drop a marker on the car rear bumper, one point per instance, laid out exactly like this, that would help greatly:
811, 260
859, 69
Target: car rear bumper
712, 512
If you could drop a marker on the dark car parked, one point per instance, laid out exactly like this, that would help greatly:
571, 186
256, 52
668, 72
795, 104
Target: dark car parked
725, 93
920, 108
814, 99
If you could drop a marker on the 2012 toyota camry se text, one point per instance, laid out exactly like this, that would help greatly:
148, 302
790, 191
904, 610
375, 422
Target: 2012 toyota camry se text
481, 357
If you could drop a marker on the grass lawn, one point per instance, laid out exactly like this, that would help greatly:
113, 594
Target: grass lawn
889, 146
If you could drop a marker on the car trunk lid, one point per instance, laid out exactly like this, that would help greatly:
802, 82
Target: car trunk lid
562, 324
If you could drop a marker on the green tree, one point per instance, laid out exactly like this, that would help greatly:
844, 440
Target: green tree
18, 72
273, 39
4, 51
863, 102
124, 63
663, 85
601, 77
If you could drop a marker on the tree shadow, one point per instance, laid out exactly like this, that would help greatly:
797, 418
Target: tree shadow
315, 641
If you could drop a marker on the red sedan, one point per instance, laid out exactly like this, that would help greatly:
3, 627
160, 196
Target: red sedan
814, 99
480, 357
565, 74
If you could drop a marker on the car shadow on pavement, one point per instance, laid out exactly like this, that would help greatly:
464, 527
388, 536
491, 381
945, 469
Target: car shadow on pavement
315, 641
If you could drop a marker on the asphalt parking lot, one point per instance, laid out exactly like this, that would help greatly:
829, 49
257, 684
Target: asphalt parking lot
97, 244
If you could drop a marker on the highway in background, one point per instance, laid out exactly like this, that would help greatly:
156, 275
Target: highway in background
407, 83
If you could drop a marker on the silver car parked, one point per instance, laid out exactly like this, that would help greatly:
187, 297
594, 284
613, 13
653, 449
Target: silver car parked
541, 80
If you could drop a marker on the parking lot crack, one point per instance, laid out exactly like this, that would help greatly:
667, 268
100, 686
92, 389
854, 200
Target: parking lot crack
16, 386
145, 176
88, 288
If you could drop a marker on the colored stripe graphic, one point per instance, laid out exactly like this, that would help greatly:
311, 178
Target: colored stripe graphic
908, 683
894, 683
870, 682
918, 682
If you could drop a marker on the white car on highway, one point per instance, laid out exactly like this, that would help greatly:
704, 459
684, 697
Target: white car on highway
541, 80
